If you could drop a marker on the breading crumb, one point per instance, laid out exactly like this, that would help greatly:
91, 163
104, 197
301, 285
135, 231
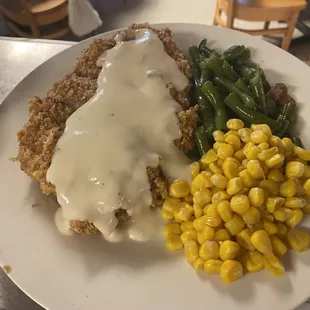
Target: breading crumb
14, 159
7, 269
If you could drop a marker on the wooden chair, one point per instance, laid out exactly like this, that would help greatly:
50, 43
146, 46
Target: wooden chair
45, 19
264, 11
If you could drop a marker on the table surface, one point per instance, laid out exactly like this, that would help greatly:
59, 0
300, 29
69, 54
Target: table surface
15, 64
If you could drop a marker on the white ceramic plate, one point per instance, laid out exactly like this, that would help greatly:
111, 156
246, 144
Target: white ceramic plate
83, 272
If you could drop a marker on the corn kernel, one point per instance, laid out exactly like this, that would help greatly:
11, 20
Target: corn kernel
211, 210
252, 153
213, 266
274, 265
275, 161
306, 209
231, 270
234, 186
186, 226
215, 168
274, 203
258, 137
215, 190
263, 146
299, 187
239, 155
244, 134
278, 247
198, 211
220, 196
235, 225
189, 235
235, 124
230, 133
282, 230
221, 235
225, 211
167, 215
202, 198
214, 221
276, 141
288, 144
294, 169
244, 239
256, 196
252, 216
173, 242
209, 250
283, 214
263, 127
200, 182
295, 203
179, 189
195, 169
298, 240
270, 228
218, 136
209, 157
240, 204
255, 169
269, 186
207, 234
199, 264
261, 241
302, 153
275, 175
228, 250
184, 212
220, 162
288, 189
253, 261
265, 154
191, 251
188, 199
247, 179
230, 169
307, 187
170, 203
172, 228
216, 145
225, 151
306, 173
234, 141
219, 180
200, 222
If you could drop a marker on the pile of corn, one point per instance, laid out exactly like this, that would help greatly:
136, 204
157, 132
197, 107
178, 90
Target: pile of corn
240, 211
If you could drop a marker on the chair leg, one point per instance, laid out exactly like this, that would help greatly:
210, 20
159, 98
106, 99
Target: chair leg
230, 14
290, 30
266, 25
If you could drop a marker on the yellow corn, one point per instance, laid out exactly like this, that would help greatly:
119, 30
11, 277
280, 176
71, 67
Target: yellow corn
235, 124
202, 198
299, 187
274, 265
207, 234
255, 169
258, 137
268, 217
209, 250
306, 209
179, 189
167, 215
221, 235
244, 134
200, 222
191, 251
195, 169
247, 179
276, 141
200, 182
188, 199
263, 146
278, 247
220, 196
288, 189
235, 225
170, 203
199, 264
219, 180
213, 221
283, 214
173, 242
230, 169
198, 211
228, 250
302, 153
252, 153
215, 190
256, 196
231, 132
231, 270
252, 216
295, 203
274, 203
225, 151
294, 169
306, 173
213, 266
244, 239
307, 187
234, 141
263, 127
270, 228
261, 242
218, 136
189, 235
172, 228
234, 186
265, 154
240, 204
298, 240
225, 211
211, 210
239, 155
282, 230
254, 261
275, 175
288, 144
183, 212
220, 162
209, 157
269, 186
215, 168
275, 161
187, 226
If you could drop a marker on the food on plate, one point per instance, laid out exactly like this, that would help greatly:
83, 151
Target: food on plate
109, 136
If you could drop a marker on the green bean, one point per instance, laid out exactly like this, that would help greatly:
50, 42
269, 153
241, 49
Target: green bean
243, 58
241, 84
206, 75
283, 126
202, 44
224, 83
288, 110
247, 114
212, 95
247, 72
202, 141
194, 61
297, 141
229, 71
258, 88
271, 107
233, 52
213, 63
206, 113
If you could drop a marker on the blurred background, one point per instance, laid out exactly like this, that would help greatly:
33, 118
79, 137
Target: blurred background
57, 19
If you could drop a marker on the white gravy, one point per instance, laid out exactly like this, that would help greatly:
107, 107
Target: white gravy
99, 163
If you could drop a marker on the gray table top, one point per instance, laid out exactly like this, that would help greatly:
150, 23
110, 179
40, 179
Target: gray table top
18, 57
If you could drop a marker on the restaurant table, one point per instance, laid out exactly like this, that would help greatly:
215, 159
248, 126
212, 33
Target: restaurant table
18, 57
